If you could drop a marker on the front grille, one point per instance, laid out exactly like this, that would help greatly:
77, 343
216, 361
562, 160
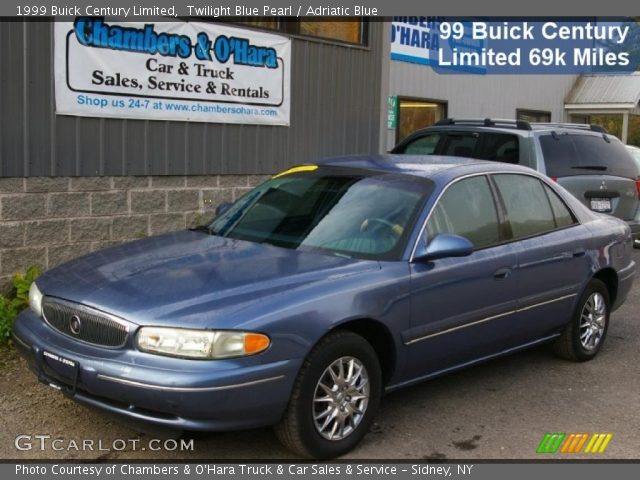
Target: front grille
89, 325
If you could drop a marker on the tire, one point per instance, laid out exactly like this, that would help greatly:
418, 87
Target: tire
299, 431
583, 337
636, 243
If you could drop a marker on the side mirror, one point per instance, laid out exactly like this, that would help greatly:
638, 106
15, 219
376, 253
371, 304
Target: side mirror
444, 245
223, 207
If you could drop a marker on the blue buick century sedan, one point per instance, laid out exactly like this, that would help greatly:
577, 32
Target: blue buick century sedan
324, 287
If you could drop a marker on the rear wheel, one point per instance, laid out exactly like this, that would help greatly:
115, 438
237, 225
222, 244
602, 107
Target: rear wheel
583, 337
334, 399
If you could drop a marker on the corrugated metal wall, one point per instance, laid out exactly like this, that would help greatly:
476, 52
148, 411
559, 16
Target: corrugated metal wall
335, 109
480, 96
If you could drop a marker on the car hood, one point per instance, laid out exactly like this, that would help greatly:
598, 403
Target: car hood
190, 277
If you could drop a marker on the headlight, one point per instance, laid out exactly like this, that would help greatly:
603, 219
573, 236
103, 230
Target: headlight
35, 299
207, 344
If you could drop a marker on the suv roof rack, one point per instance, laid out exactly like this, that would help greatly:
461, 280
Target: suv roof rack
486, 122
580, 126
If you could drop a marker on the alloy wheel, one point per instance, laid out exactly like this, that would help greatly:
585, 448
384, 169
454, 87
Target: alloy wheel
593, 321
341, 398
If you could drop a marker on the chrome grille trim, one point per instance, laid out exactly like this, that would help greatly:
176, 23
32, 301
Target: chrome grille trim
98, 328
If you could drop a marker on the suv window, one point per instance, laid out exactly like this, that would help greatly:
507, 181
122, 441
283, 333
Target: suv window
459, 145
475, 220
527, 205
424, 145
499, 147
568, 155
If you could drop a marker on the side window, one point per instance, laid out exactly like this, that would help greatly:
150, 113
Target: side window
459, 145
563, 215
528, 209
467, 209
500, 147
424, 145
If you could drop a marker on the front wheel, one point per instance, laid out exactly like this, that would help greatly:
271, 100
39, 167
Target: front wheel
583, 337
334, 399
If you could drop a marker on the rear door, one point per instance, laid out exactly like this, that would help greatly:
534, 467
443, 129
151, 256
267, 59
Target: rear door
596, 169
552, 261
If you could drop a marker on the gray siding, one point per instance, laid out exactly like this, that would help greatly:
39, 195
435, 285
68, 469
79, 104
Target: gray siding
481, 96
335, 109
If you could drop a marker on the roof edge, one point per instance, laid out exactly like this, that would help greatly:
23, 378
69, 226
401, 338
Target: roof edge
600, 106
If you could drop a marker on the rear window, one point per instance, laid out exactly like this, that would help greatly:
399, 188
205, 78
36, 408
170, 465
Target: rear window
569, 155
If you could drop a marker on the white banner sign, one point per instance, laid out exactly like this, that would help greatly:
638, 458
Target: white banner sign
171, 71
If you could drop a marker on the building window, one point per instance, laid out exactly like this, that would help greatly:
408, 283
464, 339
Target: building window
614, 123
533, 116
414, 114
611, 121
347, 29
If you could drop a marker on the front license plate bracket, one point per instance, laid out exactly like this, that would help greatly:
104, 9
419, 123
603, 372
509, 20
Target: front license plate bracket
64, 375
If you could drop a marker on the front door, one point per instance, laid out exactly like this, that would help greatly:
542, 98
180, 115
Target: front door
462, 307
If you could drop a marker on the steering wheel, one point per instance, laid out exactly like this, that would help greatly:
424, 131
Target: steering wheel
395, 228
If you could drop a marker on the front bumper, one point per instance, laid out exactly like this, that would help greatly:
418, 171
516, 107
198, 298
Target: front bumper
213, 395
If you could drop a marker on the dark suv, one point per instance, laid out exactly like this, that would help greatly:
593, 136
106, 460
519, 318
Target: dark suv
593, 165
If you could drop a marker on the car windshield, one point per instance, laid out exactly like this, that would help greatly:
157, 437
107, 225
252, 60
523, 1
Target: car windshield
334, 210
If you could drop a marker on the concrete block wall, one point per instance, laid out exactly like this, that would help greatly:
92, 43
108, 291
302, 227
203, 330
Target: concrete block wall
46, 221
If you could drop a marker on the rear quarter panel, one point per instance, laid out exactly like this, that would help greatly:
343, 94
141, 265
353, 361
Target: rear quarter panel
612, 246
611, 243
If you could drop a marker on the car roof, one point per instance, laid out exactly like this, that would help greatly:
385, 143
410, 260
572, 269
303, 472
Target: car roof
427, 166
535, 127
470, 128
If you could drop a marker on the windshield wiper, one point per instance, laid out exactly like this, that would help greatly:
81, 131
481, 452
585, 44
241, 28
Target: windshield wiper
202, 228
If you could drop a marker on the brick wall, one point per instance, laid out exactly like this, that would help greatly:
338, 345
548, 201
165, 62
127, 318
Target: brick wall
45, 221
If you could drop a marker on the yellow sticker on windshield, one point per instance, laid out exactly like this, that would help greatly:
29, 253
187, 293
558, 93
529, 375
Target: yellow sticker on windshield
302, 168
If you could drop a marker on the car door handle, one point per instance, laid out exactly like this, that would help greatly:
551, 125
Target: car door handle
579, 252
502, 273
